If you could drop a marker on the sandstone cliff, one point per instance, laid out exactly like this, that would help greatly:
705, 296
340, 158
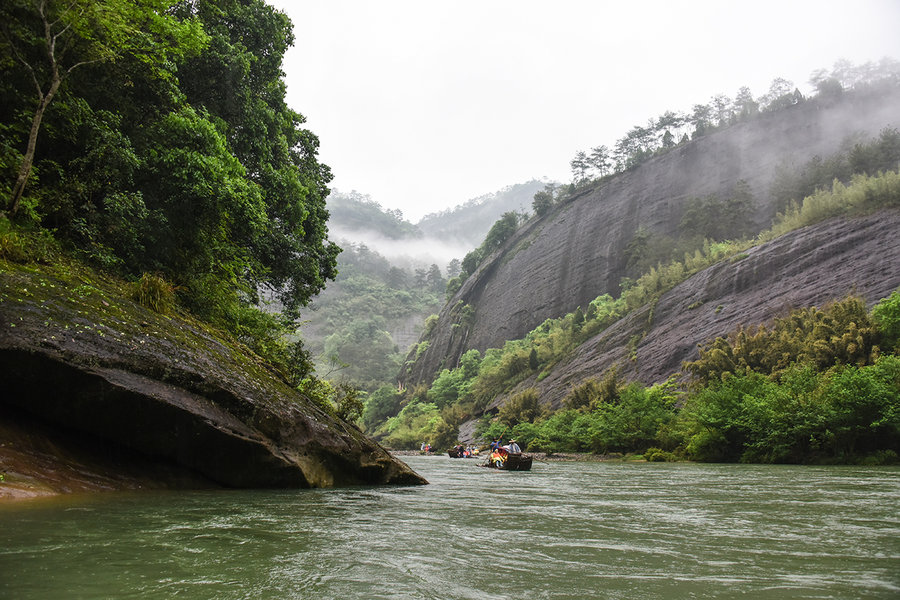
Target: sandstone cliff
97, 385
577, 251
808, 267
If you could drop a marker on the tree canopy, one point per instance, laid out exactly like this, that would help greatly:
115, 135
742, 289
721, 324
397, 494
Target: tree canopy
154, 136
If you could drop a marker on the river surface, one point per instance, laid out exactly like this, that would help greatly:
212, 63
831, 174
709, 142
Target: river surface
563, 530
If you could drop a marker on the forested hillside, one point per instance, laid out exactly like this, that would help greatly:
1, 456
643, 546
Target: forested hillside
153, 138
560, 323
357, 213
599, 235
391, 282
361, 326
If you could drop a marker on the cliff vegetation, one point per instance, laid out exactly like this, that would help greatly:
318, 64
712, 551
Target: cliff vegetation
691, 272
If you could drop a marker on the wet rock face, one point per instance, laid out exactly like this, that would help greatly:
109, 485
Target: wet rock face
577, 251
807, 267
84, 361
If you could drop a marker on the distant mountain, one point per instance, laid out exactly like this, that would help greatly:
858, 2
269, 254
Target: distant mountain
391, 276
436, 239
354, 212
360, 326
468, 223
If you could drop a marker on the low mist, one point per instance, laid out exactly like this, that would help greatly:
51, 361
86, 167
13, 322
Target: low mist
407, 253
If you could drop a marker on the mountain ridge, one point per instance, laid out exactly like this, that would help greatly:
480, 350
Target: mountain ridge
577, 251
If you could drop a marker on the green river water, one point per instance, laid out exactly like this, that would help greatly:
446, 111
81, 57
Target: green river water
563, 530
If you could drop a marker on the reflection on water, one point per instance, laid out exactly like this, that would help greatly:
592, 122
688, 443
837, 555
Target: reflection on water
563, 530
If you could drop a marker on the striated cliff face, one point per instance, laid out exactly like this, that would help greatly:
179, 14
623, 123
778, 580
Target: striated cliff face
807, 267
98, 386
577, 252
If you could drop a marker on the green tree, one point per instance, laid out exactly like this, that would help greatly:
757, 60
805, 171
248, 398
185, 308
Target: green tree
635, 147
471, 261
454, 268
238, 79
744, 104
542, 203
533, 361
780, 95
580, 166
435, 279
721, 108
886, 315
882, 154
380, 405
701, 119
578, 319
348, 401
600, 160
210, 214
50, 39
445, 390
524, 407
501, 231
668, 140
632, 423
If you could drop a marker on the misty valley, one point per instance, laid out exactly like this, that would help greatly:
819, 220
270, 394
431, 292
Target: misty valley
628, 310
225, 377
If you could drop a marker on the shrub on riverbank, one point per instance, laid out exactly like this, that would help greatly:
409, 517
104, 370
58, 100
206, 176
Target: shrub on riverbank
837, 415
830, 397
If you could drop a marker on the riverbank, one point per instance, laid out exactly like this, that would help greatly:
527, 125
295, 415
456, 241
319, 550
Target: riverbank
102, 392
554, 457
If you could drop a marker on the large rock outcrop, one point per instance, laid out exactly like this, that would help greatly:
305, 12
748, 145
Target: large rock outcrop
808, 267
100, 372
577, 251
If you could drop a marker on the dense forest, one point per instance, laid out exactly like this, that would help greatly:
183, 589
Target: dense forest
353, 329
392, 276
153, 140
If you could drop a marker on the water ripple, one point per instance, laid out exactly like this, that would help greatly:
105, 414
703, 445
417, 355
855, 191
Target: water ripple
561, 531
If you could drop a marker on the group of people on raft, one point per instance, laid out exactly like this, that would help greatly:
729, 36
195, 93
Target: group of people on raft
499, 450
497, 447
460, 451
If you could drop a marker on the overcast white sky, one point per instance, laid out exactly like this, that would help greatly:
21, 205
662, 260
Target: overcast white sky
425, 104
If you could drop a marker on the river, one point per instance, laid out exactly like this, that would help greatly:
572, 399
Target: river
567, 530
